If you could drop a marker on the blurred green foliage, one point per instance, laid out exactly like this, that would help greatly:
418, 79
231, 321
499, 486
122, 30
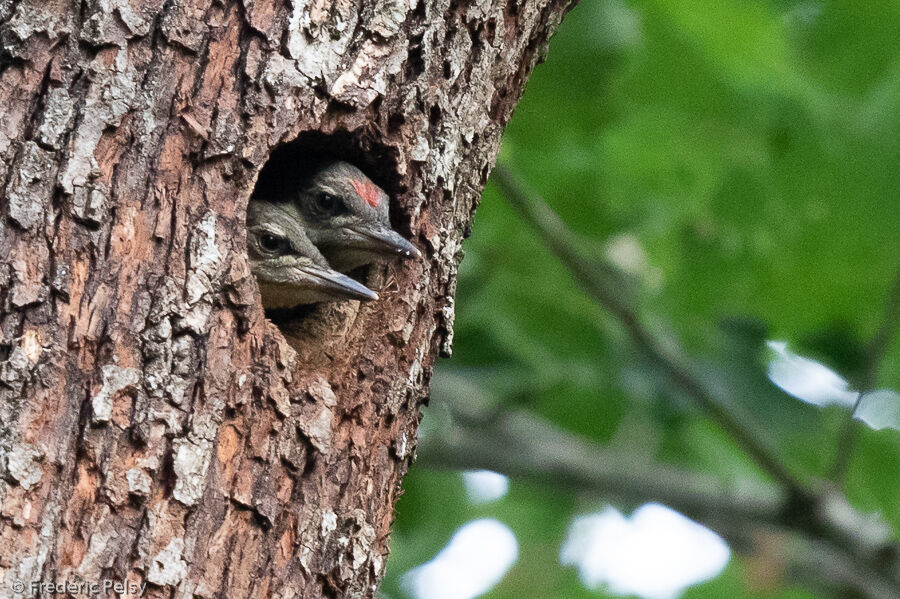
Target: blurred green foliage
744, 157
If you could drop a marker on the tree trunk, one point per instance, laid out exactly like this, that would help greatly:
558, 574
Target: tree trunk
155, 427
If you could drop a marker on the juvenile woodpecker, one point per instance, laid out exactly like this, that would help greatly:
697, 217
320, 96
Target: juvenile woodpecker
346, 217
288, 267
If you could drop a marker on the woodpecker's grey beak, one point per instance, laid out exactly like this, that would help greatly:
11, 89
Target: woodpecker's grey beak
385, 241
334, 283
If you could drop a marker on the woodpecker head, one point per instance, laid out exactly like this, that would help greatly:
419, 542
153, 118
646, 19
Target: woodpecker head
289, 269
346, 217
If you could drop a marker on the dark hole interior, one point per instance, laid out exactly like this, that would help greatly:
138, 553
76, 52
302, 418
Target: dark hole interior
291, 163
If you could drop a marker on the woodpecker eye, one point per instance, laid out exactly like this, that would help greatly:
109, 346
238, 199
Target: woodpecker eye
329, 204
271, 243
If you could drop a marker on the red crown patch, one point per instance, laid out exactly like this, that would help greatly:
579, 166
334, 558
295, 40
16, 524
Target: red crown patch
368, 191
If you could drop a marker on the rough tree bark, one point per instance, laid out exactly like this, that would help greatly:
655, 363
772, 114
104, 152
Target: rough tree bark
156, 427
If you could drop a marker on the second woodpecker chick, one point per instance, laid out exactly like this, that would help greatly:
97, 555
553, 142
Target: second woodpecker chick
288, 267
346, 217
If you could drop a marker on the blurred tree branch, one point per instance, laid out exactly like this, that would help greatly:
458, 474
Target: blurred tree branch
874, 355
522, 445
881, 341
810, 507
597, 281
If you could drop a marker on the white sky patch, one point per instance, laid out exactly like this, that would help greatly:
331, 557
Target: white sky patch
477, 557
814, 383
808, 380
879, 409
484, 486
655, 554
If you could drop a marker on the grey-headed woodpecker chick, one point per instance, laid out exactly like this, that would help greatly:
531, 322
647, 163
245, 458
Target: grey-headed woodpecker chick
346, 217
288, 267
